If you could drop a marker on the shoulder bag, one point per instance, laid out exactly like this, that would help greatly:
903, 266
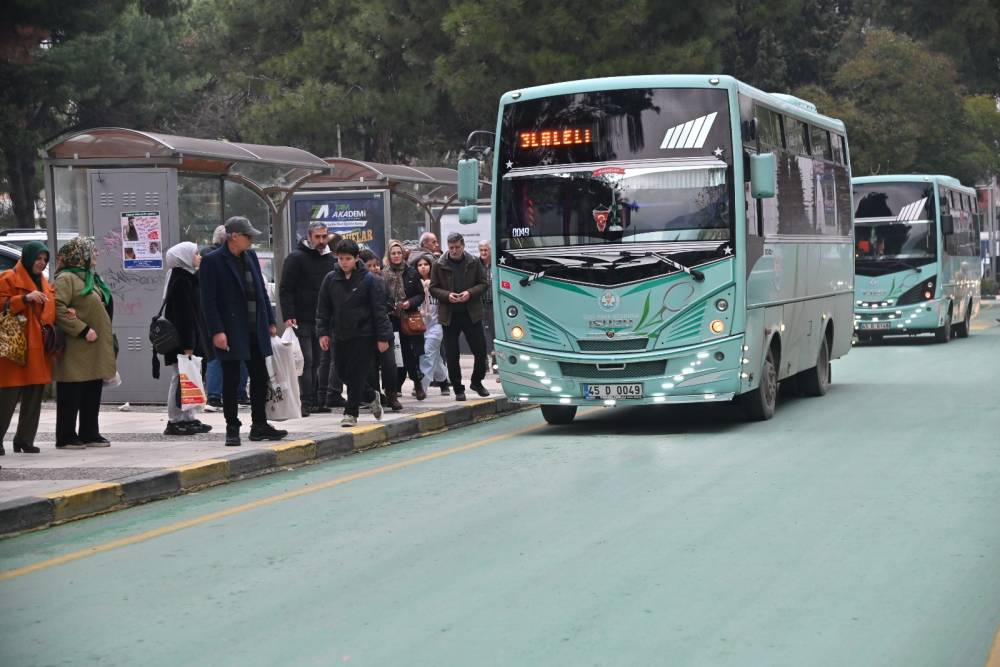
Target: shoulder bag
13, 341
412, 324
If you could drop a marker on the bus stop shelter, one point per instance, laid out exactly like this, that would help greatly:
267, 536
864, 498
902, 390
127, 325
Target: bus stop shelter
139, 193
371, 202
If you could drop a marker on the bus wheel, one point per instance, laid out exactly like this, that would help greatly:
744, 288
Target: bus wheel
558, 414
816, 381
759, 404
965, 328
943, 333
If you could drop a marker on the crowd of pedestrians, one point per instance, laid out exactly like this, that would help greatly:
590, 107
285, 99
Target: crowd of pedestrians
365, 325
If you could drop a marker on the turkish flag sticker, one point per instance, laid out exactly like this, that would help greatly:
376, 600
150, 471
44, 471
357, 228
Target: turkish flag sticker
601, 218
505, 284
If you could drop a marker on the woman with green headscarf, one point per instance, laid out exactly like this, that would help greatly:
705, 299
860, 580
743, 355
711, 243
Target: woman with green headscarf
89, 357
24, 291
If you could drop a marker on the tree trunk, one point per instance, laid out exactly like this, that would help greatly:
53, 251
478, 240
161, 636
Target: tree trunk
20, 163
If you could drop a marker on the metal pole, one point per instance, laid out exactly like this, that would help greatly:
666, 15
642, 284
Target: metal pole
339, 154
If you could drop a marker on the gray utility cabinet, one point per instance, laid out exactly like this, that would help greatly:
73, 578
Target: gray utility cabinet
128, 263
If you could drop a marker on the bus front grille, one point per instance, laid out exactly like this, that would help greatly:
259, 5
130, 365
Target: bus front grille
638, 369
613, 345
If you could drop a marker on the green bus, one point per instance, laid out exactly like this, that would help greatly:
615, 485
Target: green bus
667, 239
917, 257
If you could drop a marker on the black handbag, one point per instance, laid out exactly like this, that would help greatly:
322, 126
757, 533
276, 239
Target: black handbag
163, 334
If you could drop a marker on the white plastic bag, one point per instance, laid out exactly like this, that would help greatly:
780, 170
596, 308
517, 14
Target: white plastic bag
298, 358
192, 387
283, 389
113, 382
397, 350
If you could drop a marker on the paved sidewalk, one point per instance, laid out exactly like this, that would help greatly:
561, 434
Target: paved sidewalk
139, 446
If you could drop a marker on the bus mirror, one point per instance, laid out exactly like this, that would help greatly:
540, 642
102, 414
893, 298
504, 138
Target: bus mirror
947, 224
468, 180
763, 175
468, 215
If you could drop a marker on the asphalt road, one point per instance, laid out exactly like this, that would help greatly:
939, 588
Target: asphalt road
861, 528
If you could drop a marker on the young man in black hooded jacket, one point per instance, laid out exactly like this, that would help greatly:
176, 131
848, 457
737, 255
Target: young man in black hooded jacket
351, 315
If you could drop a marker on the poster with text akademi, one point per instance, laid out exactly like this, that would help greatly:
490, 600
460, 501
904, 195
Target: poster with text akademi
142, 240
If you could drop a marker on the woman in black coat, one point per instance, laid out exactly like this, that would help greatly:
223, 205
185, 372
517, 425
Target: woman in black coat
407, 293
183, 310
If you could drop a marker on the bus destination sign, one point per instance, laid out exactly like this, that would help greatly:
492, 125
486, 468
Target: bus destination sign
555, 138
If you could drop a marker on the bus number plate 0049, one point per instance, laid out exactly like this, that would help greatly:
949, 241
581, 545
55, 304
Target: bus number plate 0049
598, 392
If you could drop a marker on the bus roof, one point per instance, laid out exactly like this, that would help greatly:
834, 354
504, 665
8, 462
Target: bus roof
940, 179
784, 103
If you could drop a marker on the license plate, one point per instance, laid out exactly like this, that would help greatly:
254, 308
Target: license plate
598, 392
874, 325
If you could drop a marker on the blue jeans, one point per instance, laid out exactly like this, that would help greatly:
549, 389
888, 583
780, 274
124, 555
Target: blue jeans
213, 380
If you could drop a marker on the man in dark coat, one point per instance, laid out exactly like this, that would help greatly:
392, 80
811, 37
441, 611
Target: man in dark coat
301, 276
458, 281
241, 321
351, 315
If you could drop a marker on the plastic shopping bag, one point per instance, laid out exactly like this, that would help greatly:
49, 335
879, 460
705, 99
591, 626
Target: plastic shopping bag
290, 338
397, 350
283, 389
192, 387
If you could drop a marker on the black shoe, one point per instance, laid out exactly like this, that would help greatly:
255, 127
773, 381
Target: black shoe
75, 443
233, 436
2, 452
96, 441
479, 389
23, 449
245, 402
336, 401
306, 411
199, 426
434, 383
179, 428
214, 404
320, 409
459, 397
445, 388
266, 432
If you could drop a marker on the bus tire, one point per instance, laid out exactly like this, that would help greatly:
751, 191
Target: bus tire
559, 414
816, 380
943, 333
965, 328
759, 404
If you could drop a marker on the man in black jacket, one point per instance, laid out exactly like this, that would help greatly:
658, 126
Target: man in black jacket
301, 276
352, 312
458, 281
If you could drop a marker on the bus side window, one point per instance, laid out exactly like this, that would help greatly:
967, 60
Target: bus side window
795, 136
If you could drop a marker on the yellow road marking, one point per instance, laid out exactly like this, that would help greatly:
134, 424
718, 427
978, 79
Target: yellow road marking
263, 502
993, 659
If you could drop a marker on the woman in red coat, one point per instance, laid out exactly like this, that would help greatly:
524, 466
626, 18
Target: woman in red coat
29, 294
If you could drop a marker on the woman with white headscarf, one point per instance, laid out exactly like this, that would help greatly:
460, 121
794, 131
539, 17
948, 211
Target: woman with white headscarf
183, 310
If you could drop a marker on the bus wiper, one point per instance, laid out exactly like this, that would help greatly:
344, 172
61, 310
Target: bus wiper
625, 256
891, 260
550, 268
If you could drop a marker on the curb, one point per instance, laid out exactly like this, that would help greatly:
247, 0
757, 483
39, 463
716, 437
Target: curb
35, 512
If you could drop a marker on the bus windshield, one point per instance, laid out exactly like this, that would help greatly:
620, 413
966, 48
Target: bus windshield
895, 221
598, 205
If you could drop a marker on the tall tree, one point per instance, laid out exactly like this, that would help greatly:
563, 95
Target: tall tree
500, 45
903, 108
45, 87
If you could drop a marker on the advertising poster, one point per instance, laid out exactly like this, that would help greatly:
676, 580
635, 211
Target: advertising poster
472, 233
359, 216
142, 240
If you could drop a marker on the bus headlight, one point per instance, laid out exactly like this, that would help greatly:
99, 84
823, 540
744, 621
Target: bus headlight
717, 326
517, 332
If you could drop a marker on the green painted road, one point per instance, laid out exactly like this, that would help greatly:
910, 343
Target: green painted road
861, 528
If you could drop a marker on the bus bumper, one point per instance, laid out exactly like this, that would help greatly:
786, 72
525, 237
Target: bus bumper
923, 317
694, 374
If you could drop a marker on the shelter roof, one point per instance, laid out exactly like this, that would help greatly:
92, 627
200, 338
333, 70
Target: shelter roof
267, 166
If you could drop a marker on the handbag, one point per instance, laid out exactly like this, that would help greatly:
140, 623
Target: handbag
412, 324
162, 333
53, 339
13, 341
